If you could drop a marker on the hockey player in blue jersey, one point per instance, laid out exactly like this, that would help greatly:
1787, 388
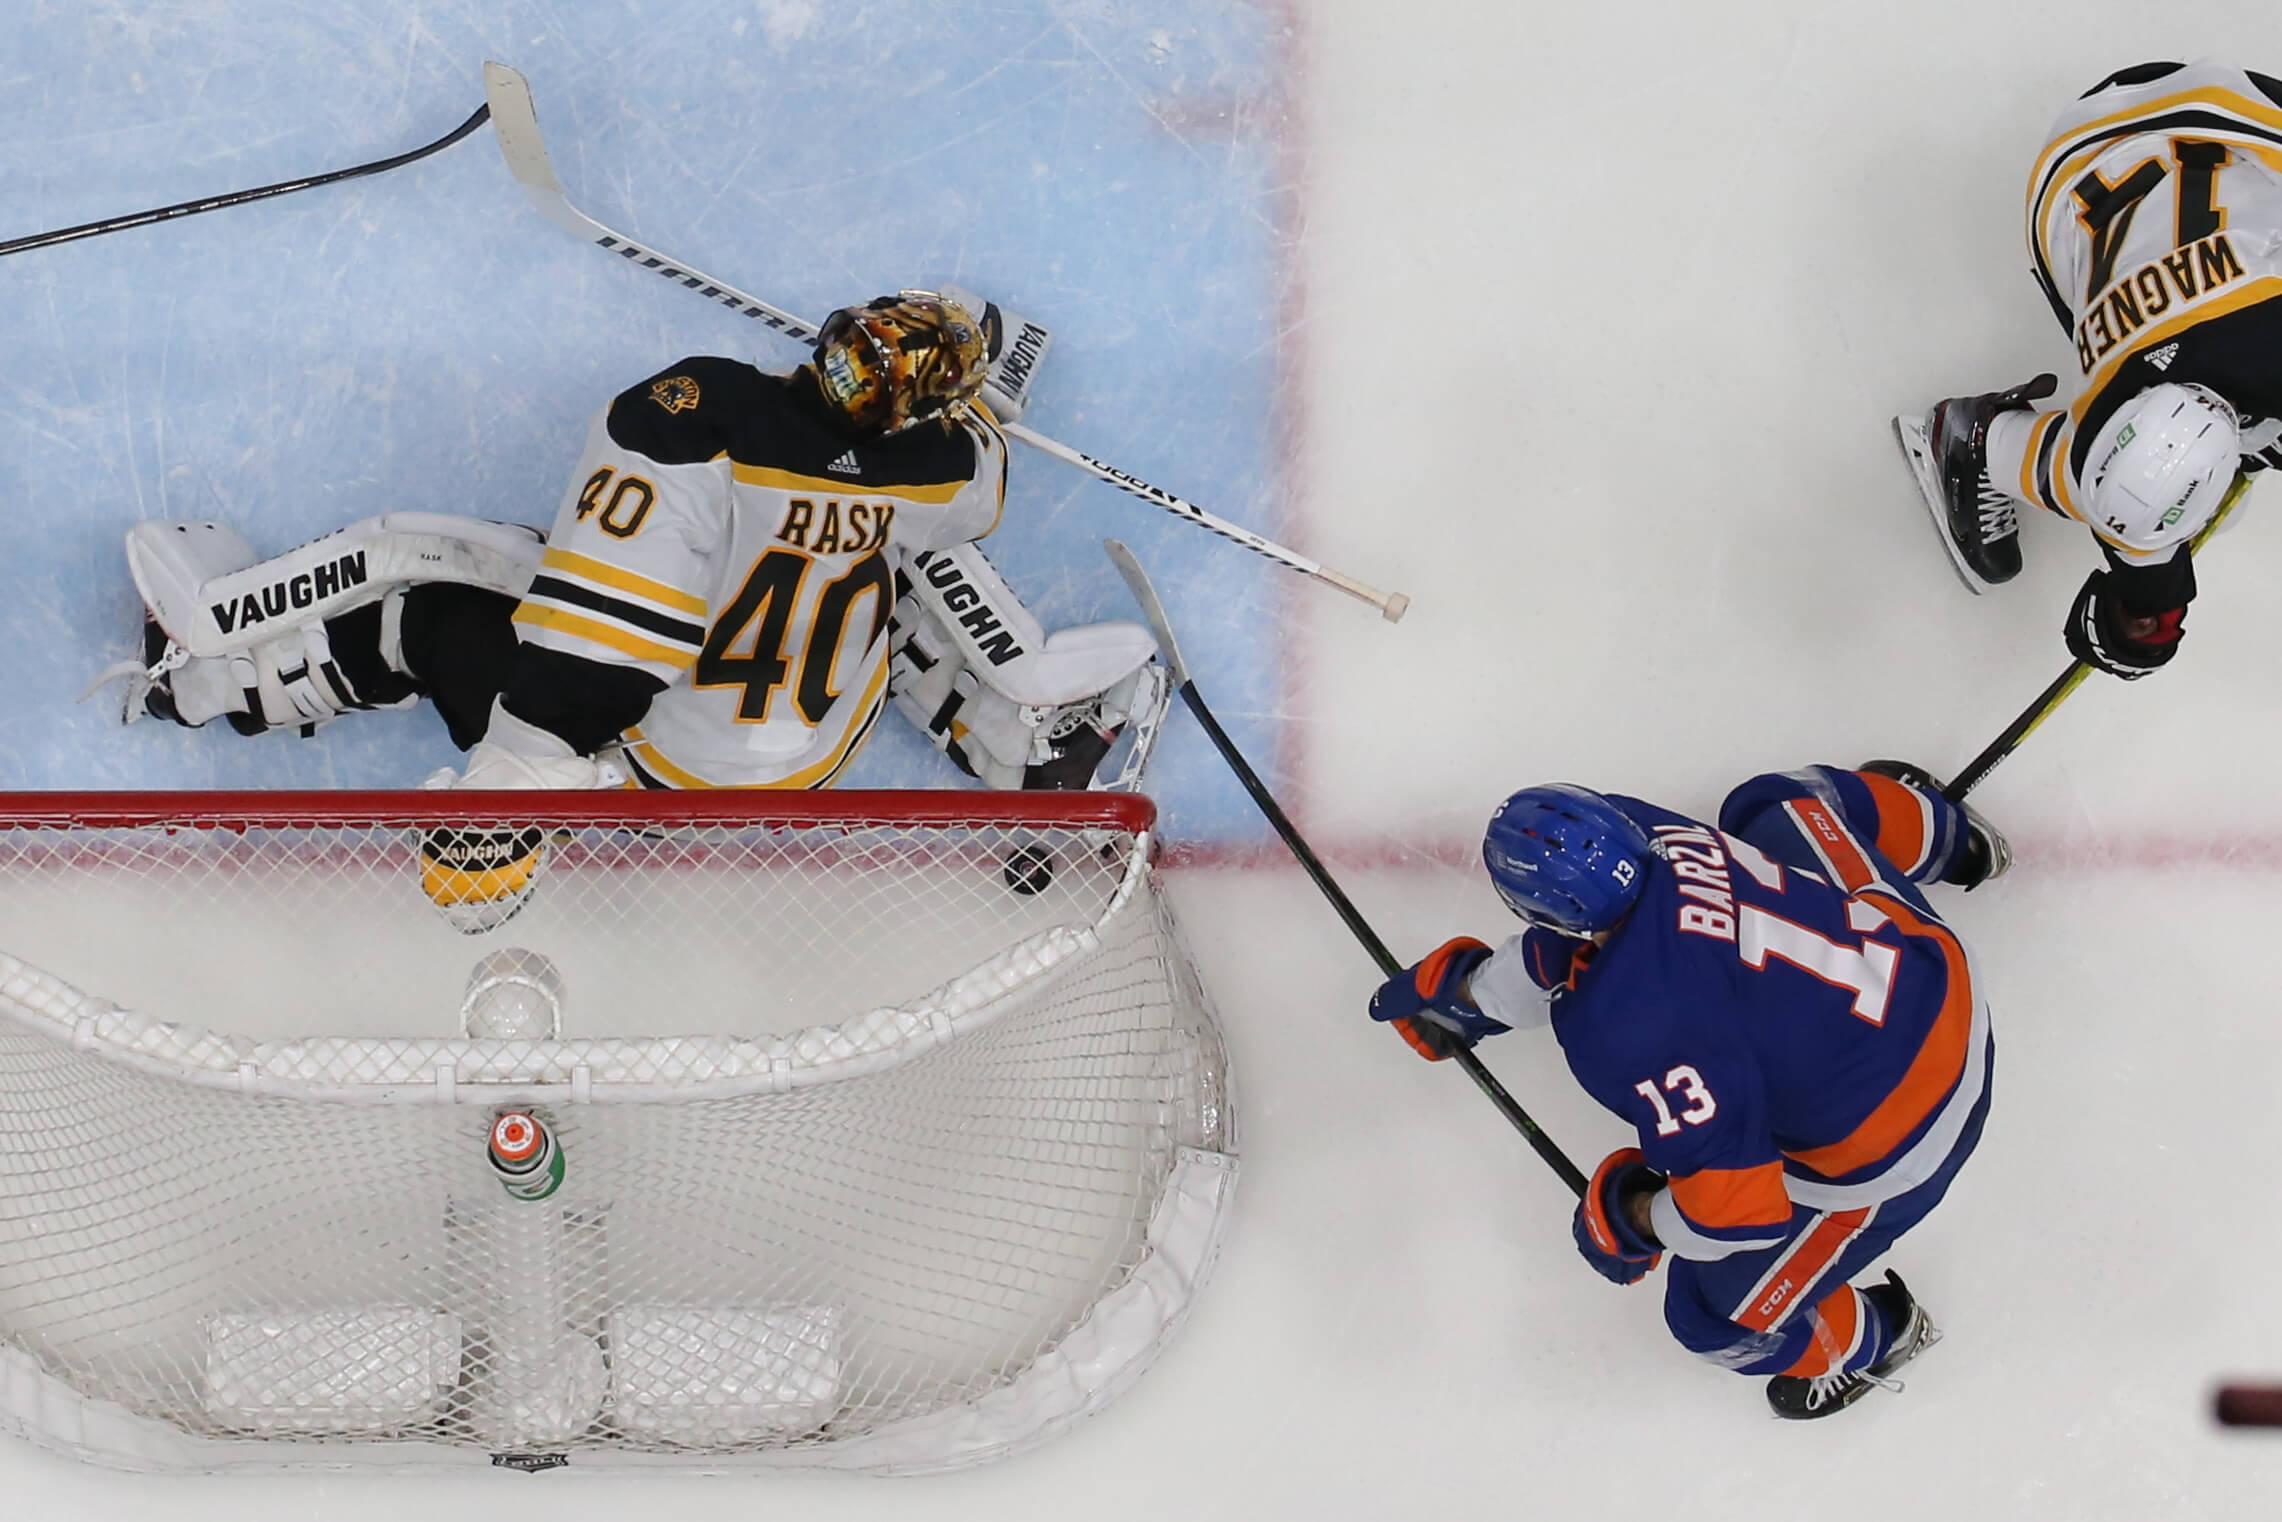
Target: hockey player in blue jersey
1783, 1016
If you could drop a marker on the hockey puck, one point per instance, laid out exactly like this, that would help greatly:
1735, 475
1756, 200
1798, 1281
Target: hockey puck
2248, 1406
1029, 869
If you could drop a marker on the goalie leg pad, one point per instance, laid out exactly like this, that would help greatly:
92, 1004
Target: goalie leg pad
204, 587
229, 636
977, 674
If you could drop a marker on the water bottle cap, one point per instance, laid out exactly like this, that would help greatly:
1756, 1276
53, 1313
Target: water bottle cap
516, 1137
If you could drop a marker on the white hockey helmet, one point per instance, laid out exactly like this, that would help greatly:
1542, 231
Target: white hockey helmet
2161, 464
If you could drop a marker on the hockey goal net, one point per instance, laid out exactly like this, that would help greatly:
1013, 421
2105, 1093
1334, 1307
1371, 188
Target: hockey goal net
895, 1129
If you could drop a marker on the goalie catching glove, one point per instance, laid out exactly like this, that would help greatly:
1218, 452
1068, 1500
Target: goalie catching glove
479, 879
976, 673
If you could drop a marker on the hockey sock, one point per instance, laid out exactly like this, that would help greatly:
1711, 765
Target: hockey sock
459, 644
355, 637
1846, 1332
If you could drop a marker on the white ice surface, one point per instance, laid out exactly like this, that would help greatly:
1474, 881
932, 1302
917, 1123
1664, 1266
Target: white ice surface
1601, 312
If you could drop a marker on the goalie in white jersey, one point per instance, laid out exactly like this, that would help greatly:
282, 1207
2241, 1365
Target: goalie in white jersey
2155, 230
743, 568
728, 552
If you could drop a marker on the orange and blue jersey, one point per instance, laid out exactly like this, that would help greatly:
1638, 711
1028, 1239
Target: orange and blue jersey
1783, 1017
1796, 1036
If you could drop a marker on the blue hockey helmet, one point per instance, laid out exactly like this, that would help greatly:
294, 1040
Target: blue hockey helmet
1565, 857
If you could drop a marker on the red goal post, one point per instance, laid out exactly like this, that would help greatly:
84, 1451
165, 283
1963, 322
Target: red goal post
1132, 813
895, 1128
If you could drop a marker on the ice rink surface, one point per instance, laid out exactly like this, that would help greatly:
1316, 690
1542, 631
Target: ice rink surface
1580, 325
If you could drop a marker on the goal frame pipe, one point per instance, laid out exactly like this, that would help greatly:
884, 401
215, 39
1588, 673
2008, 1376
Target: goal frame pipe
1132, 813
1161, 629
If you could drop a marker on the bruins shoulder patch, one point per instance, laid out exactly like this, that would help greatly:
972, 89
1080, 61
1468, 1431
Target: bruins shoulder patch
676, 393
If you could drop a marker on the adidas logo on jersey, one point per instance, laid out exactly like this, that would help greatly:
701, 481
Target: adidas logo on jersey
846, 465
2161, 358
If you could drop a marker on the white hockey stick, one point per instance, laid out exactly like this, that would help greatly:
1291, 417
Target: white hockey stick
516, 123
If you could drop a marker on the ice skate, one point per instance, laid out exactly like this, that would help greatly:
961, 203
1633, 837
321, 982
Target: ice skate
1987, 853
1947, 451
1803, 1398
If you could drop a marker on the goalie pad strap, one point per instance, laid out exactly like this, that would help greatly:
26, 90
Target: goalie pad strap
290, 679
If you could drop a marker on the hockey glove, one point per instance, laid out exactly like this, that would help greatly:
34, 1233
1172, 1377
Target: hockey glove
481, 878
2100, 633
1616, 1251
1426, 1006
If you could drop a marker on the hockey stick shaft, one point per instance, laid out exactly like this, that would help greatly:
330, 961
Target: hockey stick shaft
1391, 605
241, 197
1160, 627
2022, 726
516, 124
2025, 723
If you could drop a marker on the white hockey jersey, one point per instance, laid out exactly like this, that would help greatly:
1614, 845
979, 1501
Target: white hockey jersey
2155, 227
723, 536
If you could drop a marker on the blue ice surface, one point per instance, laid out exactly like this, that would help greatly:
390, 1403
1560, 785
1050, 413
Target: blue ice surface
423, 340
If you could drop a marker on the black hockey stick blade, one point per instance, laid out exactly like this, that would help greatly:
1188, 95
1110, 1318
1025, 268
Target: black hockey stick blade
1152, 610
481, 115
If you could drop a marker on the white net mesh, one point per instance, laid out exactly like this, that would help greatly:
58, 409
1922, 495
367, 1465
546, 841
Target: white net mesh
938, 1134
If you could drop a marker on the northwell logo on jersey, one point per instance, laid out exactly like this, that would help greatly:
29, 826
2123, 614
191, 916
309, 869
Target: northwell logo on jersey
282, 597
969, 607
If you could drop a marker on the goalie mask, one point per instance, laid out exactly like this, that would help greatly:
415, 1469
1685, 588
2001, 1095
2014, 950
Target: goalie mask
899, 359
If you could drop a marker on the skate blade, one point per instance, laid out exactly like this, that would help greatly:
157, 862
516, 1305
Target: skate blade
1917, 452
